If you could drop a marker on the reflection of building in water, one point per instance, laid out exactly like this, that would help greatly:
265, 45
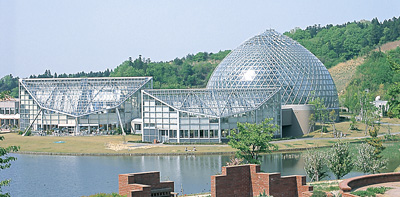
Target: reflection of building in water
285, 163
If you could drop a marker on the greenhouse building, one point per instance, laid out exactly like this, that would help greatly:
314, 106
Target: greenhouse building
205, 115
268, 76
81, 106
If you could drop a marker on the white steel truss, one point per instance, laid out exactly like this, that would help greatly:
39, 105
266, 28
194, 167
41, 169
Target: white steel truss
82, 96
217, 103
270, 60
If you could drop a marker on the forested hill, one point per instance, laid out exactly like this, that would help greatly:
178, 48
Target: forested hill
334, 44
192, 71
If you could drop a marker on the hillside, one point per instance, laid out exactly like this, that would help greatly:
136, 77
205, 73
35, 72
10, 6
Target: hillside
339, 43
343, 72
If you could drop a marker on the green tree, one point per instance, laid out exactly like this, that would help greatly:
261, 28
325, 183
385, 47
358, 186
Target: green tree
253, 139
353, 124
332, 119
375, 142
311, 123
339, 160
366, 160
321, 113
314, 164
5, 163
367, 111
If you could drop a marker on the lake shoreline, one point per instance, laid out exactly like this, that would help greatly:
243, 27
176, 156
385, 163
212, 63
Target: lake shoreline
156, 154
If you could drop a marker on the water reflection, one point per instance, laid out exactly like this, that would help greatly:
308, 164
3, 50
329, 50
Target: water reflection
43, 175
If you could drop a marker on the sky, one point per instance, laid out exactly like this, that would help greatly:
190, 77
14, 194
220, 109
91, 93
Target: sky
69, 36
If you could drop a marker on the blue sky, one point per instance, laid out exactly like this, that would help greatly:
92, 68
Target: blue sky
69, 36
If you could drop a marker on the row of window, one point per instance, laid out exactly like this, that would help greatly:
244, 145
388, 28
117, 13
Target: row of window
8, 111
190, 133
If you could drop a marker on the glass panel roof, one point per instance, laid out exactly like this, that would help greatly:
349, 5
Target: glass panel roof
219, 103
82, 96
271, 59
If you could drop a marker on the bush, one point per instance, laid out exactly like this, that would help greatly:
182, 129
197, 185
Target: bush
364, 193
378, 190
20, 132
391, 137
318, 194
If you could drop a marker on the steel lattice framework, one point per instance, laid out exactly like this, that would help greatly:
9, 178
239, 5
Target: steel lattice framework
271, 60
82, 96
217, 103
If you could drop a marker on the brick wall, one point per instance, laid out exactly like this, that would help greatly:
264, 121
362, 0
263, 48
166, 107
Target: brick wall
352, 183
141, 184
246, 180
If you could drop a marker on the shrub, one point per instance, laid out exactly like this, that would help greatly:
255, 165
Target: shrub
364, 193
378, 190
389, 137
318, 194
263, 194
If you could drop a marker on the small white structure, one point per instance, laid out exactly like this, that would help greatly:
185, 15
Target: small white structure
9, 113
381, 105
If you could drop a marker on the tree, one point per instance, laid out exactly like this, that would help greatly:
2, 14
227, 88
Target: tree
366, 160
353, 124
321, 113
367, 111
339, 160
375, 141
311, 123
332, 118
5, 163
253, 139
314, 164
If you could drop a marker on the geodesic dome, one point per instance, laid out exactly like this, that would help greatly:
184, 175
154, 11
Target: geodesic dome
270, 60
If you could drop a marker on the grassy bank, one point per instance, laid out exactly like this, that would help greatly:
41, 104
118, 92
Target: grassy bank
115, 145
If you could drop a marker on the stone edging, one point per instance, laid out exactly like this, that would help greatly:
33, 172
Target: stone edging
350, 184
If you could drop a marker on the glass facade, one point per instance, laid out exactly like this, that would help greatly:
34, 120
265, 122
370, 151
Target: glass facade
203, 115
81, 105
271, 60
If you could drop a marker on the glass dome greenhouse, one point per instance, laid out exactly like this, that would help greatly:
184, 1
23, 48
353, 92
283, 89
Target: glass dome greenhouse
271, 60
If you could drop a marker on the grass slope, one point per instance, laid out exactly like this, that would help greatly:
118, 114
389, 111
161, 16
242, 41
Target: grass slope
343, 72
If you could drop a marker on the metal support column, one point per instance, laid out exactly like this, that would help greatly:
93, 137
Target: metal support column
120, 121
27, 129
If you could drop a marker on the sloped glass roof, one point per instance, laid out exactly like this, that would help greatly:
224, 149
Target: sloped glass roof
271, 59
82, 96
219, 103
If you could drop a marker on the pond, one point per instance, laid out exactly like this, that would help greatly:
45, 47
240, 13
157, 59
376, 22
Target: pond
46, 175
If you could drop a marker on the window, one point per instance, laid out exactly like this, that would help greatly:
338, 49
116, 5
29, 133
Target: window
213, 133
184, 133
213, 120
203, 133
172, 133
